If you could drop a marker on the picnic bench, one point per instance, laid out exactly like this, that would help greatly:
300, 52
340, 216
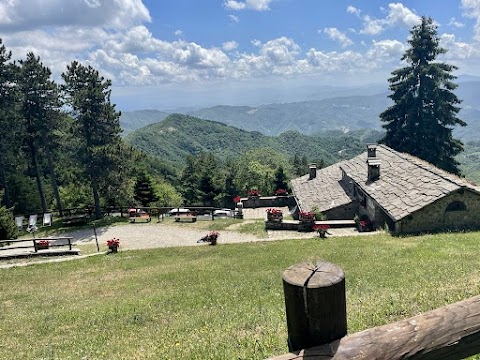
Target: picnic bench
140, 217
189, 216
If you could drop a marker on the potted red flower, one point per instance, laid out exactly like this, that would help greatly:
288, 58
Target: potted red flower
322, 229
42, 244
281, 192
113, 245
274, 214
253, 193
306, 216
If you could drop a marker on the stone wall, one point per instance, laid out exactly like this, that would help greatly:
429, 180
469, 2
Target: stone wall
268, 201
434, 217
343, 212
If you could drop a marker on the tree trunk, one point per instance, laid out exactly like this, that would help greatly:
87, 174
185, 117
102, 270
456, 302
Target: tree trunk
38, 177
96, 198
53, 177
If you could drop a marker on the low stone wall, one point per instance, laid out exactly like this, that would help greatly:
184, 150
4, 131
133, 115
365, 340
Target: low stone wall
268, 201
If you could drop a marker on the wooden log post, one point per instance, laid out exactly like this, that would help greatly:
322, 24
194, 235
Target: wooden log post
451, 332
315, 304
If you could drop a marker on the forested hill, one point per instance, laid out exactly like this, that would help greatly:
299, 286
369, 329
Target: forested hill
179, 135
342, 113
308, 117
133, 120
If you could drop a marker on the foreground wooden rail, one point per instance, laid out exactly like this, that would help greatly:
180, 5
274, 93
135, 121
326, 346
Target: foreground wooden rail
450, 332
33, 243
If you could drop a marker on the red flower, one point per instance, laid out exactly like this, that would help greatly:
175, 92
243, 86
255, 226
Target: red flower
281, 192
236, 199
253, 192
274, 211
113, 242
306, 215
43, 243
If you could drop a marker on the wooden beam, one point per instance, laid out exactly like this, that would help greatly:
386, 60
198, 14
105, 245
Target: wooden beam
451, 332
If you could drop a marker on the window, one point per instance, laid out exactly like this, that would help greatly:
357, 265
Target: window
456, 206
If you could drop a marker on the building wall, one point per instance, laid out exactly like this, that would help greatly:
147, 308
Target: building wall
344, 212
434, 217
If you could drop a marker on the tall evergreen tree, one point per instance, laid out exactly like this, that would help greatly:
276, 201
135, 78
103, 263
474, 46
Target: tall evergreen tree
9, 123
143, 190
425, 110
97, 126
40, 111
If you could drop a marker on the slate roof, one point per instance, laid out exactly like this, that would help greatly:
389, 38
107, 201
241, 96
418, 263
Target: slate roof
406, 183
325, 192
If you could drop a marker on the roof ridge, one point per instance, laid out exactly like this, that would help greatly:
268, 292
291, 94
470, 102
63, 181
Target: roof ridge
428, 166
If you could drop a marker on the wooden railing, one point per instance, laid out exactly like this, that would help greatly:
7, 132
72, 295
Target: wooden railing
33, 243
316, 321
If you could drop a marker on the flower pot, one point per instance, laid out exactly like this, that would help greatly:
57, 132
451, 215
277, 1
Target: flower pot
113, 248
42, 247
275, 217
212, 240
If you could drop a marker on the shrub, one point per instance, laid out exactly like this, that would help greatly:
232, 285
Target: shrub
8, 229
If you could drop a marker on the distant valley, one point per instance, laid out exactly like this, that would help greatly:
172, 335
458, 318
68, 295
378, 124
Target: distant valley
309, 117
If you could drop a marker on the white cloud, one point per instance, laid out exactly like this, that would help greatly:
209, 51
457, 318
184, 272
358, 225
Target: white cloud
257, 5
178, 33
472, 10
454, 23
234, 18
458, 50
256, 43
353, 10
229, 45
33, 14
387, 49
398, 15
337, 35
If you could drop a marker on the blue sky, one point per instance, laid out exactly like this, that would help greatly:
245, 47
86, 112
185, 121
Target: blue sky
163, 54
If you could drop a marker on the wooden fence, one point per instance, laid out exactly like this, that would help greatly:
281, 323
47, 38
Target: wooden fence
316, 321
34, 243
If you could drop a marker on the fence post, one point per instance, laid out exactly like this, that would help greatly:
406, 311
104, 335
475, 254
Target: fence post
315, 304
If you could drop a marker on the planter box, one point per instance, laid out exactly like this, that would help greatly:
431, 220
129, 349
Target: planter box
275, 217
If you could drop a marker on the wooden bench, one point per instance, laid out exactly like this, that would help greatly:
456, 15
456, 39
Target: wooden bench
33, 244
140, 217
186, 216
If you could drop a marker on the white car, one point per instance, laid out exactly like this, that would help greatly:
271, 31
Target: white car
223, 213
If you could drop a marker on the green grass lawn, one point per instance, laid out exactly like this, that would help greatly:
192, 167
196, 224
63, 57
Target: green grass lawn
219, 302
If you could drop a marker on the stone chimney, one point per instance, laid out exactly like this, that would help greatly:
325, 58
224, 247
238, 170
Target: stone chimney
313, 171
373, 163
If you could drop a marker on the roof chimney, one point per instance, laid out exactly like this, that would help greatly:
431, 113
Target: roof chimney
313, 171
373, 163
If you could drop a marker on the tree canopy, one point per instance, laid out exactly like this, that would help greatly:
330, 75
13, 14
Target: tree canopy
425, 110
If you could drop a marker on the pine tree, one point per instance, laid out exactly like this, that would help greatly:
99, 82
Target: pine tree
281, 180
96, 125
425, 110
11, 127
144, 191
41, 112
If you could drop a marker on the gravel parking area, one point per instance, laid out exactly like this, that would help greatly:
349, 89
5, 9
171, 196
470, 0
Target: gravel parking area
154, 235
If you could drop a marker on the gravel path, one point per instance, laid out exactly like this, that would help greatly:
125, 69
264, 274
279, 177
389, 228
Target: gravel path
154, 235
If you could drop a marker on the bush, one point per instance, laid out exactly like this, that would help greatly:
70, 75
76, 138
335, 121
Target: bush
8, 229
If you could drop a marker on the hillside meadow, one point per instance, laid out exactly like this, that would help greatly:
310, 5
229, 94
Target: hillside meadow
219, 302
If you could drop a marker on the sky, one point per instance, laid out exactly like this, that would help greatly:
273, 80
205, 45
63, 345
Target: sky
164, 54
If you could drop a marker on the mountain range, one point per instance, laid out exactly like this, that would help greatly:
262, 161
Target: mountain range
345, 114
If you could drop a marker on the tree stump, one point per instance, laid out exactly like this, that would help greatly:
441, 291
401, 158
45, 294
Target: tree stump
315, 304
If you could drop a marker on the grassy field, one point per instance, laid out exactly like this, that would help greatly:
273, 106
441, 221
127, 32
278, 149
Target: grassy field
223, 302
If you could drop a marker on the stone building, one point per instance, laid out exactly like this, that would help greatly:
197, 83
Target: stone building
397, 190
